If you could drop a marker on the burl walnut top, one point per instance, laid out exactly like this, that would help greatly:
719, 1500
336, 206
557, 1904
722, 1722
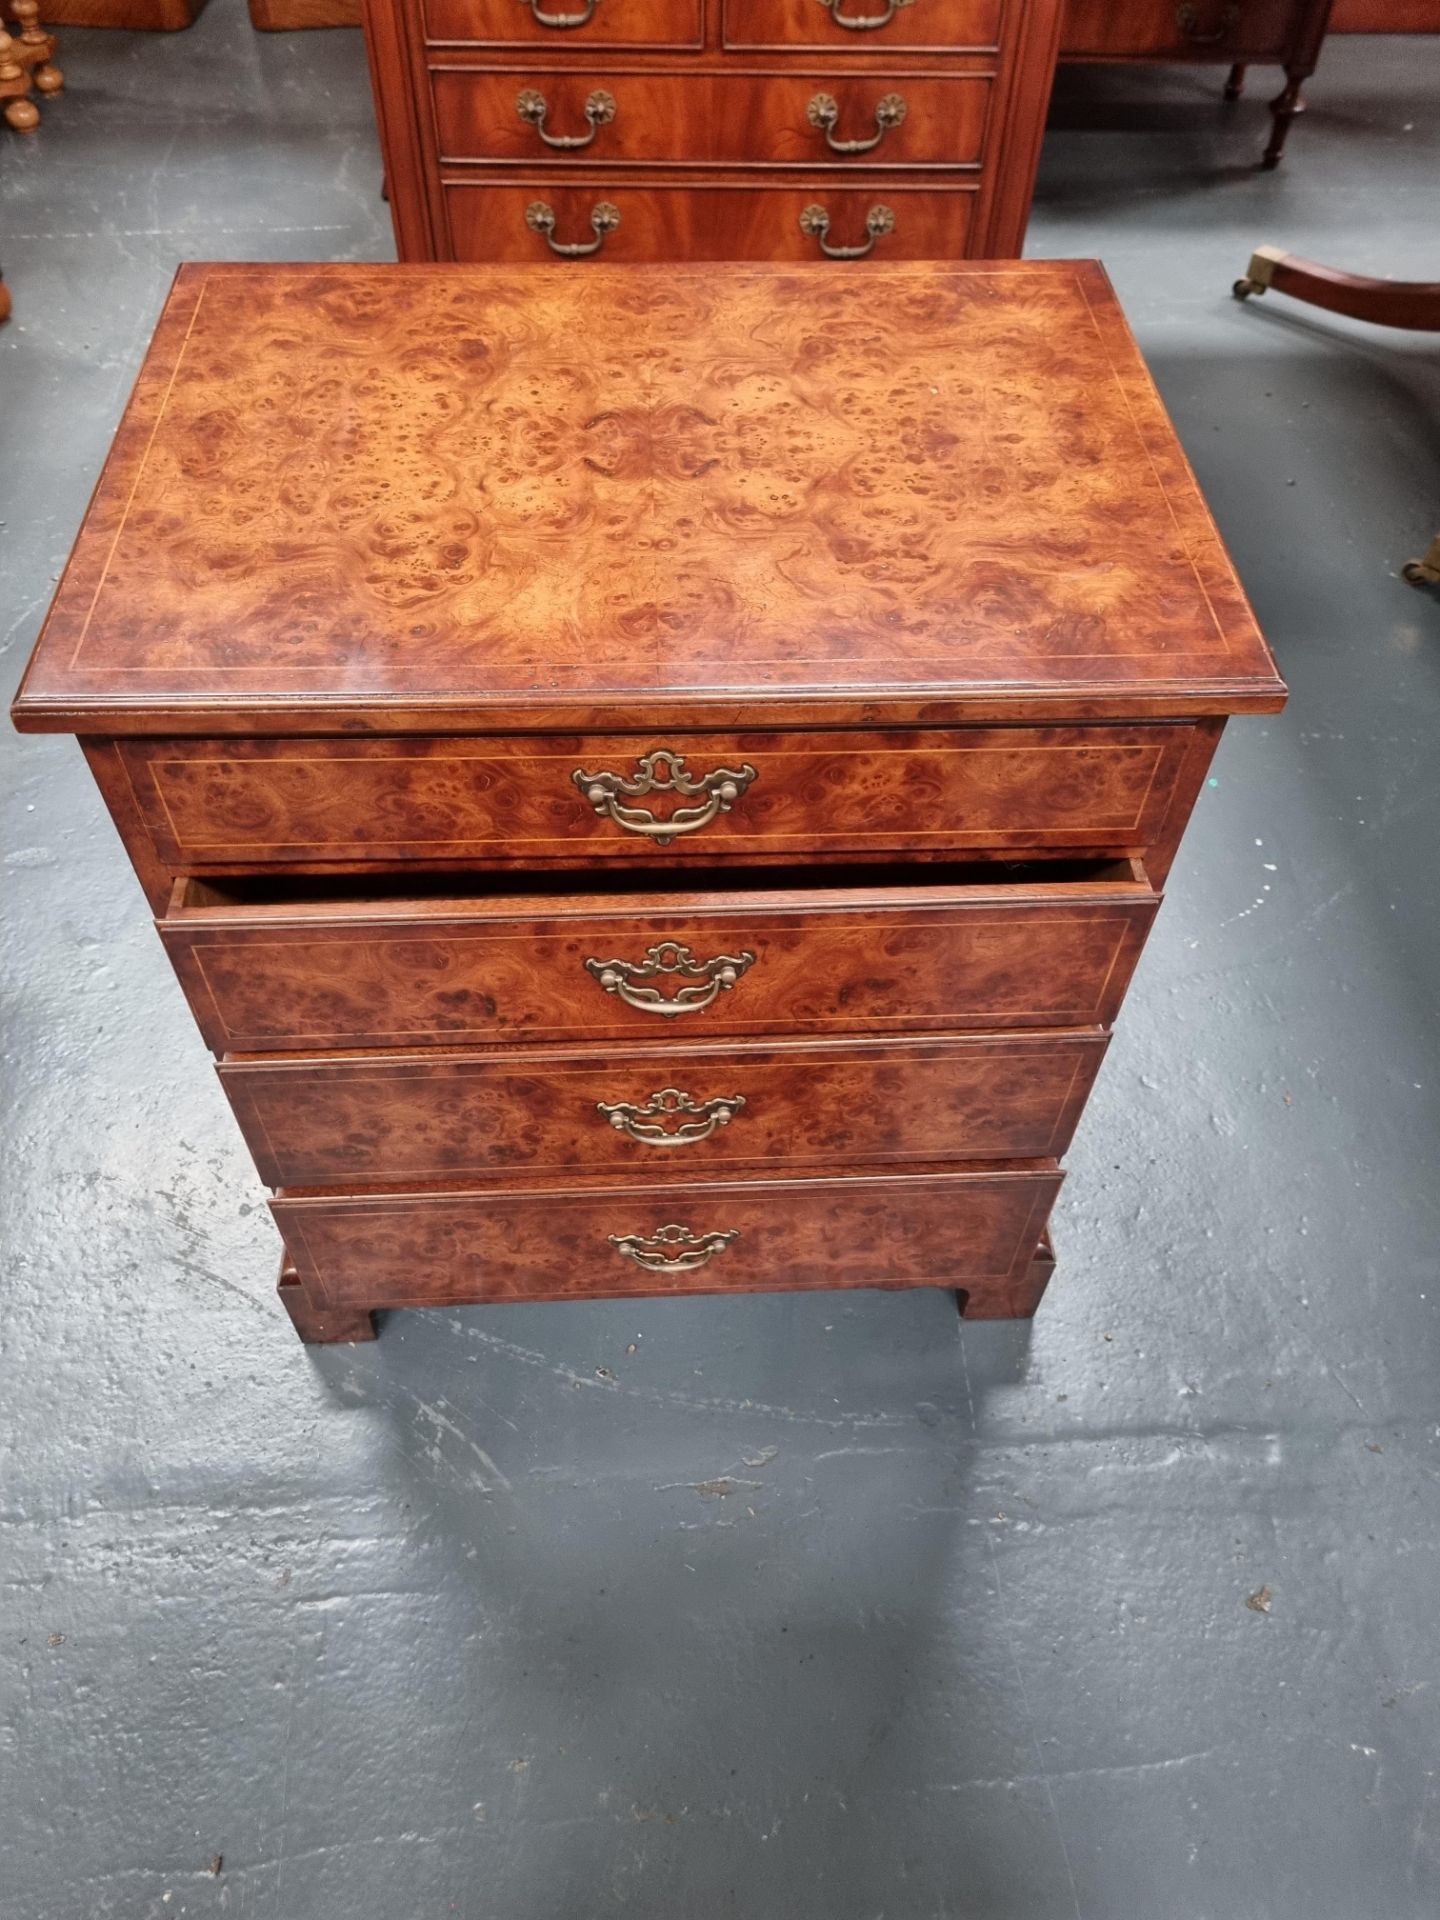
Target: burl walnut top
416, 497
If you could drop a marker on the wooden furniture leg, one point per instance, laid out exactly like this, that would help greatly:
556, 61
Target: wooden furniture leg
1024, 1297
1414, 304
21, 113
35, 49
1235, 81
322, 1327
1425, 572
4, 301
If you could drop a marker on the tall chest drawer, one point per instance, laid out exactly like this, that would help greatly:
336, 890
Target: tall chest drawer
614, 116
209, 804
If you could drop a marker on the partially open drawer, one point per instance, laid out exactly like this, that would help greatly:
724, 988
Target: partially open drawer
521, 799
267, 968
975, 1229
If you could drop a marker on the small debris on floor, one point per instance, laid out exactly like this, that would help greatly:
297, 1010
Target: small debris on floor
1259, 1601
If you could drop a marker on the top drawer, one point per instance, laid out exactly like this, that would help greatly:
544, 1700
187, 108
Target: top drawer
583, 23
862, 26
519, 799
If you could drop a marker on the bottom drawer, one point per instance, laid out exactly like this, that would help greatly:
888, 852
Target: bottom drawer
490, 221
974, 1229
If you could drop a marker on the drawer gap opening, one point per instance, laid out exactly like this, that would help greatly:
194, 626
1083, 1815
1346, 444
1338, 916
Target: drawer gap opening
280, 890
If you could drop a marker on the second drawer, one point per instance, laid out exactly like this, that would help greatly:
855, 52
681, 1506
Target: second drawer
394, 1118
269, 973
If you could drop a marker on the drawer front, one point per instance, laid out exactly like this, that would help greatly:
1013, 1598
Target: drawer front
710, 222
863, 26
398, 1119
215, 803
977, 1229
1172, 29
575, 25
403, 973
804, 120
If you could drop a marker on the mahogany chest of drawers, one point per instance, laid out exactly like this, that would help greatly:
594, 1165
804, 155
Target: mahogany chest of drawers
645, 130
652, 781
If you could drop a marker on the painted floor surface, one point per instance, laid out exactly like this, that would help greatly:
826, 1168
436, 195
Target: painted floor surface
815, 1608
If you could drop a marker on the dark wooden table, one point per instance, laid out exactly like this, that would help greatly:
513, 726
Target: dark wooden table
654, 780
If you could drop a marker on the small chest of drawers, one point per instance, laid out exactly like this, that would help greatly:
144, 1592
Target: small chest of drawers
652, 784
566, 130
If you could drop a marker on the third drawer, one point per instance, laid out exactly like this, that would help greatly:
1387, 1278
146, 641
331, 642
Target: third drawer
383, 1118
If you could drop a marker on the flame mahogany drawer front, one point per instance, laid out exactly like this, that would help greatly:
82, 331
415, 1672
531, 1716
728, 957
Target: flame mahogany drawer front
624, 116
959, 26
585, 24
391, 1118
716, 220
657, 779
975, 1229
245, 803
277, 977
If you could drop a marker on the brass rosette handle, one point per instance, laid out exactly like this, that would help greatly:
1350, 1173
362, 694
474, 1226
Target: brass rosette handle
705, 980
604, 218
664, 772
562, 19
672, 1249
864, 22
653, 1125
600, 110
816, 222
1187, 18
823, 113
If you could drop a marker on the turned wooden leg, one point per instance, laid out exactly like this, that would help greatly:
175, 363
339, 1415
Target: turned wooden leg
21, 113
1235, 81
1425, 572
35, 48
4, 302
1283, 109
322, 1326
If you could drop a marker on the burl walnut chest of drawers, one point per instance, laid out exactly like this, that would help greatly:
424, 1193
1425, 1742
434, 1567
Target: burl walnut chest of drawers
656, 780
523, 130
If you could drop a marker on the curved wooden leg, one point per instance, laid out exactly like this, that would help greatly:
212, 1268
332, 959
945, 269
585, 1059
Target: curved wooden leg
1019, 1300
1425, 572
322, 1326
1235, 81
1413, 304
1283, 109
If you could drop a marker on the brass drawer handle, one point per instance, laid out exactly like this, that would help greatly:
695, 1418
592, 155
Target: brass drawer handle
864, 22
824, 111
1187, 18
604, 218
816, 222
599, 111
672, 1249
562, 19
664, 772
711, 978
665, 1105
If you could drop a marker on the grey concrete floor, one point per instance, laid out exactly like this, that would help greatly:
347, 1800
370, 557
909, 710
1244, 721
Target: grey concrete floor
822, 1608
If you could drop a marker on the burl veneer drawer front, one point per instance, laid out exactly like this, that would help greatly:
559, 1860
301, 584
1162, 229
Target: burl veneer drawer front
544, 219
710, 119
394, 1119
1151, 29
215, 803
269, 977
863, 26
581, 24
976, 1229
